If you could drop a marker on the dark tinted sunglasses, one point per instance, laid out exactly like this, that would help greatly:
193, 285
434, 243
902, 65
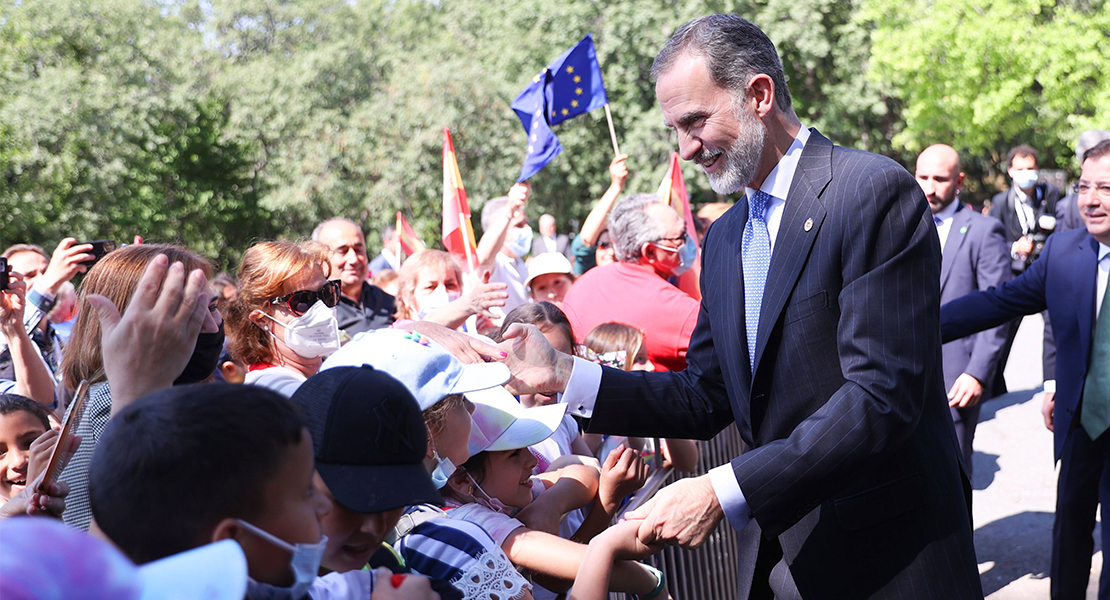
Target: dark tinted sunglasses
300, 301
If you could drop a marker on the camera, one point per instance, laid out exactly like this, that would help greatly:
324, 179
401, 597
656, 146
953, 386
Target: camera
1043, 228
4, 278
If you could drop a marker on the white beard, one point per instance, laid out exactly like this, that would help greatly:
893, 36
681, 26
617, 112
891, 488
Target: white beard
741, 159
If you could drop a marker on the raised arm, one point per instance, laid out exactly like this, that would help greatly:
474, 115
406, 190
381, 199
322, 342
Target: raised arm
32, 378
494, 237
595, 221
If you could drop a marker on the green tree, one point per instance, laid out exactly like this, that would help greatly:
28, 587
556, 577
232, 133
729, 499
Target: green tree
988, 75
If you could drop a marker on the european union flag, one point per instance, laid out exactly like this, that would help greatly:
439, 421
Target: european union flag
543, 146
569, 86
575, 83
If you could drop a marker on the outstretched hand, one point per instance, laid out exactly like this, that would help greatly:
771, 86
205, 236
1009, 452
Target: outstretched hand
623, 473
683, 513
465, 348
536, 367
147, 347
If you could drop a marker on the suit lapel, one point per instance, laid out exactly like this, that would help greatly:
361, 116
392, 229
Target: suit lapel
957, 233
1088, 263
801, 221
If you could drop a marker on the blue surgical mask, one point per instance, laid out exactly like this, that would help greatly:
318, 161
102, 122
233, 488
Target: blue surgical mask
305, 564
1026, 178
687, 254
443, 471
519, 241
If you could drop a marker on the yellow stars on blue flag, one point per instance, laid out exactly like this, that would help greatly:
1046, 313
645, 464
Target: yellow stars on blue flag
569, 86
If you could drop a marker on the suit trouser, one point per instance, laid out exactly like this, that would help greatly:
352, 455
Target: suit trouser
965, 420
1084, 483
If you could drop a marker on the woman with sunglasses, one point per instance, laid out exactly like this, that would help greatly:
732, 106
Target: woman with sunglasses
282, 325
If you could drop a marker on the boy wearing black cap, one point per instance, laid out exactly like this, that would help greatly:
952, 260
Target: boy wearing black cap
370, 442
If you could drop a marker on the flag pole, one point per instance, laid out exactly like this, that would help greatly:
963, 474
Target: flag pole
612, 132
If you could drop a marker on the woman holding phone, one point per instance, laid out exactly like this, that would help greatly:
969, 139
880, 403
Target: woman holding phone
282, 324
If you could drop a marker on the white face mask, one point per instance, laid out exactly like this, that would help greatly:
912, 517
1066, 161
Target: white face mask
305, 564
313, 334
1026, 178
438, 298
519, 241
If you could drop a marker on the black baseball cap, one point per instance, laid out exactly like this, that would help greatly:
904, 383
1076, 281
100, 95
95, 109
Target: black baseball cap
369, 439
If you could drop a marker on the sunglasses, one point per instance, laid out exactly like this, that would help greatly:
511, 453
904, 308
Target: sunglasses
300, 301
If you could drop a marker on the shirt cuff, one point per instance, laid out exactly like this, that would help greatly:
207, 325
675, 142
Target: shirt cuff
730, 496
580, 394
1050, 386
43, 300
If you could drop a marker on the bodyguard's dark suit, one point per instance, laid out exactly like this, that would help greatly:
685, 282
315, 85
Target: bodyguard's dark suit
1063, 281
853, 463
562, 245
975, 257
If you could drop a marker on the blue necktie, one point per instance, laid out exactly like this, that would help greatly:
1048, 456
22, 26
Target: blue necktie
755, 249
938, 221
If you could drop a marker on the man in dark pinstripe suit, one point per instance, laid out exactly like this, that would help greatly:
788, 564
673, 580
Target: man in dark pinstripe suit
818, 338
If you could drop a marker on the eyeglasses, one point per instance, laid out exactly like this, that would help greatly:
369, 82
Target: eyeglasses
678, 240
604, 245
1102, 190
300, 301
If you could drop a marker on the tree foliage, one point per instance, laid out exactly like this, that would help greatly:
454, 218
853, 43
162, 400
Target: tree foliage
219, 123
986, 75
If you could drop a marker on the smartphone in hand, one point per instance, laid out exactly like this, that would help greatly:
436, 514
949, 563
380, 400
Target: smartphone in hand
59, 458
99, 249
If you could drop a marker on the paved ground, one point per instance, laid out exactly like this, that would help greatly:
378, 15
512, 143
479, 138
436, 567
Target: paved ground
1015, 482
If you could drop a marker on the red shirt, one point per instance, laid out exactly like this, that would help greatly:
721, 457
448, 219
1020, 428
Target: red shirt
637, 296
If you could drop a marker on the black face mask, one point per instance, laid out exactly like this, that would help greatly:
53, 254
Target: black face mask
205, 358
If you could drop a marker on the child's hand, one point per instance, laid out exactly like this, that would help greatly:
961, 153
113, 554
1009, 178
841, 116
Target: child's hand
622, 474
408, 586
30, 502
623, 541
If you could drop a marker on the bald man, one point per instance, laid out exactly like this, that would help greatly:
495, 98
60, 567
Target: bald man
974, 256
362, 306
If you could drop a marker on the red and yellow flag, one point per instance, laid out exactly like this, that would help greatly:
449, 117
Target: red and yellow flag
410, 244
458, 233
673, 192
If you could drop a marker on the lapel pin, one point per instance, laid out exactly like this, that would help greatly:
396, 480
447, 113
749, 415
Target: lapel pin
963, 229
808, 225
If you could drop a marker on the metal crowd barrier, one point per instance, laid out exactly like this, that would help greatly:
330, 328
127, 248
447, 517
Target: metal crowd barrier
709, 572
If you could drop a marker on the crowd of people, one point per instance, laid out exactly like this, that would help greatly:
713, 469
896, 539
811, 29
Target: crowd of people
326, 425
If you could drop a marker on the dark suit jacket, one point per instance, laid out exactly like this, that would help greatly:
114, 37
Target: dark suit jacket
853, 461
1061, 280
975, 257
1067, 214
562, 245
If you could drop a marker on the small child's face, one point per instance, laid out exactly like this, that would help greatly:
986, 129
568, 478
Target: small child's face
451, 441
641, 362
508, 476
293, 511
353, 537
550, 287
17, 431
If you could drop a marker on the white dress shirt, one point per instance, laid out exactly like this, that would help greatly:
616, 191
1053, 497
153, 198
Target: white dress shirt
585, 378
1101, 277
945, 220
